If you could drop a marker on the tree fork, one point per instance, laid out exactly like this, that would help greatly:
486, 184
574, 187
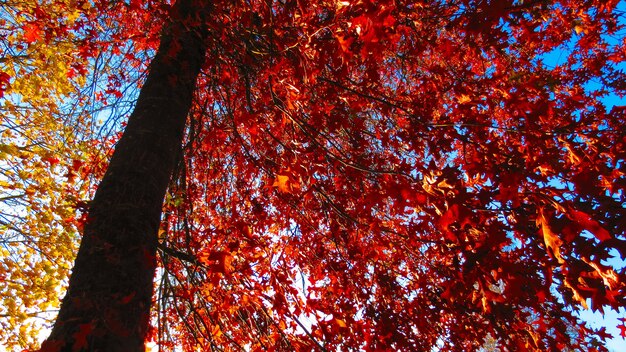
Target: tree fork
107, 305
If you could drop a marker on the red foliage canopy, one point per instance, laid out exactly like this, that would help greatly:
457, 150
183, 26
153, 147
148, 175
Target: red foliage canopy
394, 175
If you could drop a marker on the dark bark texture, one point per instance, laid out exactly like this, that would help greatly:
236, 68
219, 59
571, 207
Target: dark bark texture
107, 306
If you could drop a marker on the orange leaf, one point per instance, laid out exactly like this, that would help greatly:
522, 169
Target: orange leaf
285, 183
552, 240
32, 33
282, 183
341, 323
344, 43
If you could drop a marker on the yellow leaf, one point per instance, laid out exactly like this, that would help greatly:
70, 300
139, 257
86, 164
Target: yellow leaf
6, 150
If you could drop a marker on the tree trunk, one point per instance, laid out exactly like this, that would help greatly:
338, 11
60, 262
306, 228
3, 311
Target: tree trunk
107, 305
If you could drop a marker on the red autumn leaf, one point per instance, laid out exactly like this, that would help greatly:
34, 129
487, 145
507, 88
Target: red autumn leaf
135, 4
52, 160
218, 261
32, 33
622, 327
602, 333
4, 82
81, 336
591, 225
455, 215
126, 299
76, 164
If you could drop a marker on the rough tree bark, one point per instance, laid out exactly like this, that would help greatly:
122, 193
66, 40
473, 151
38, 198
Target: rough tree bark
107, 305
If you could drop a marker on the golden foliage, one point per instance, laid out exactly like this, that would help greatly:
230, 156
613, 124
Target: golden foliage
42, 154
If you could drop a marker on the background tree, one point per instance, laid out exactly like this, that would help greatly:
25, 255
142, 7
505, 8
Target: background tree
384, 176
43, 153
